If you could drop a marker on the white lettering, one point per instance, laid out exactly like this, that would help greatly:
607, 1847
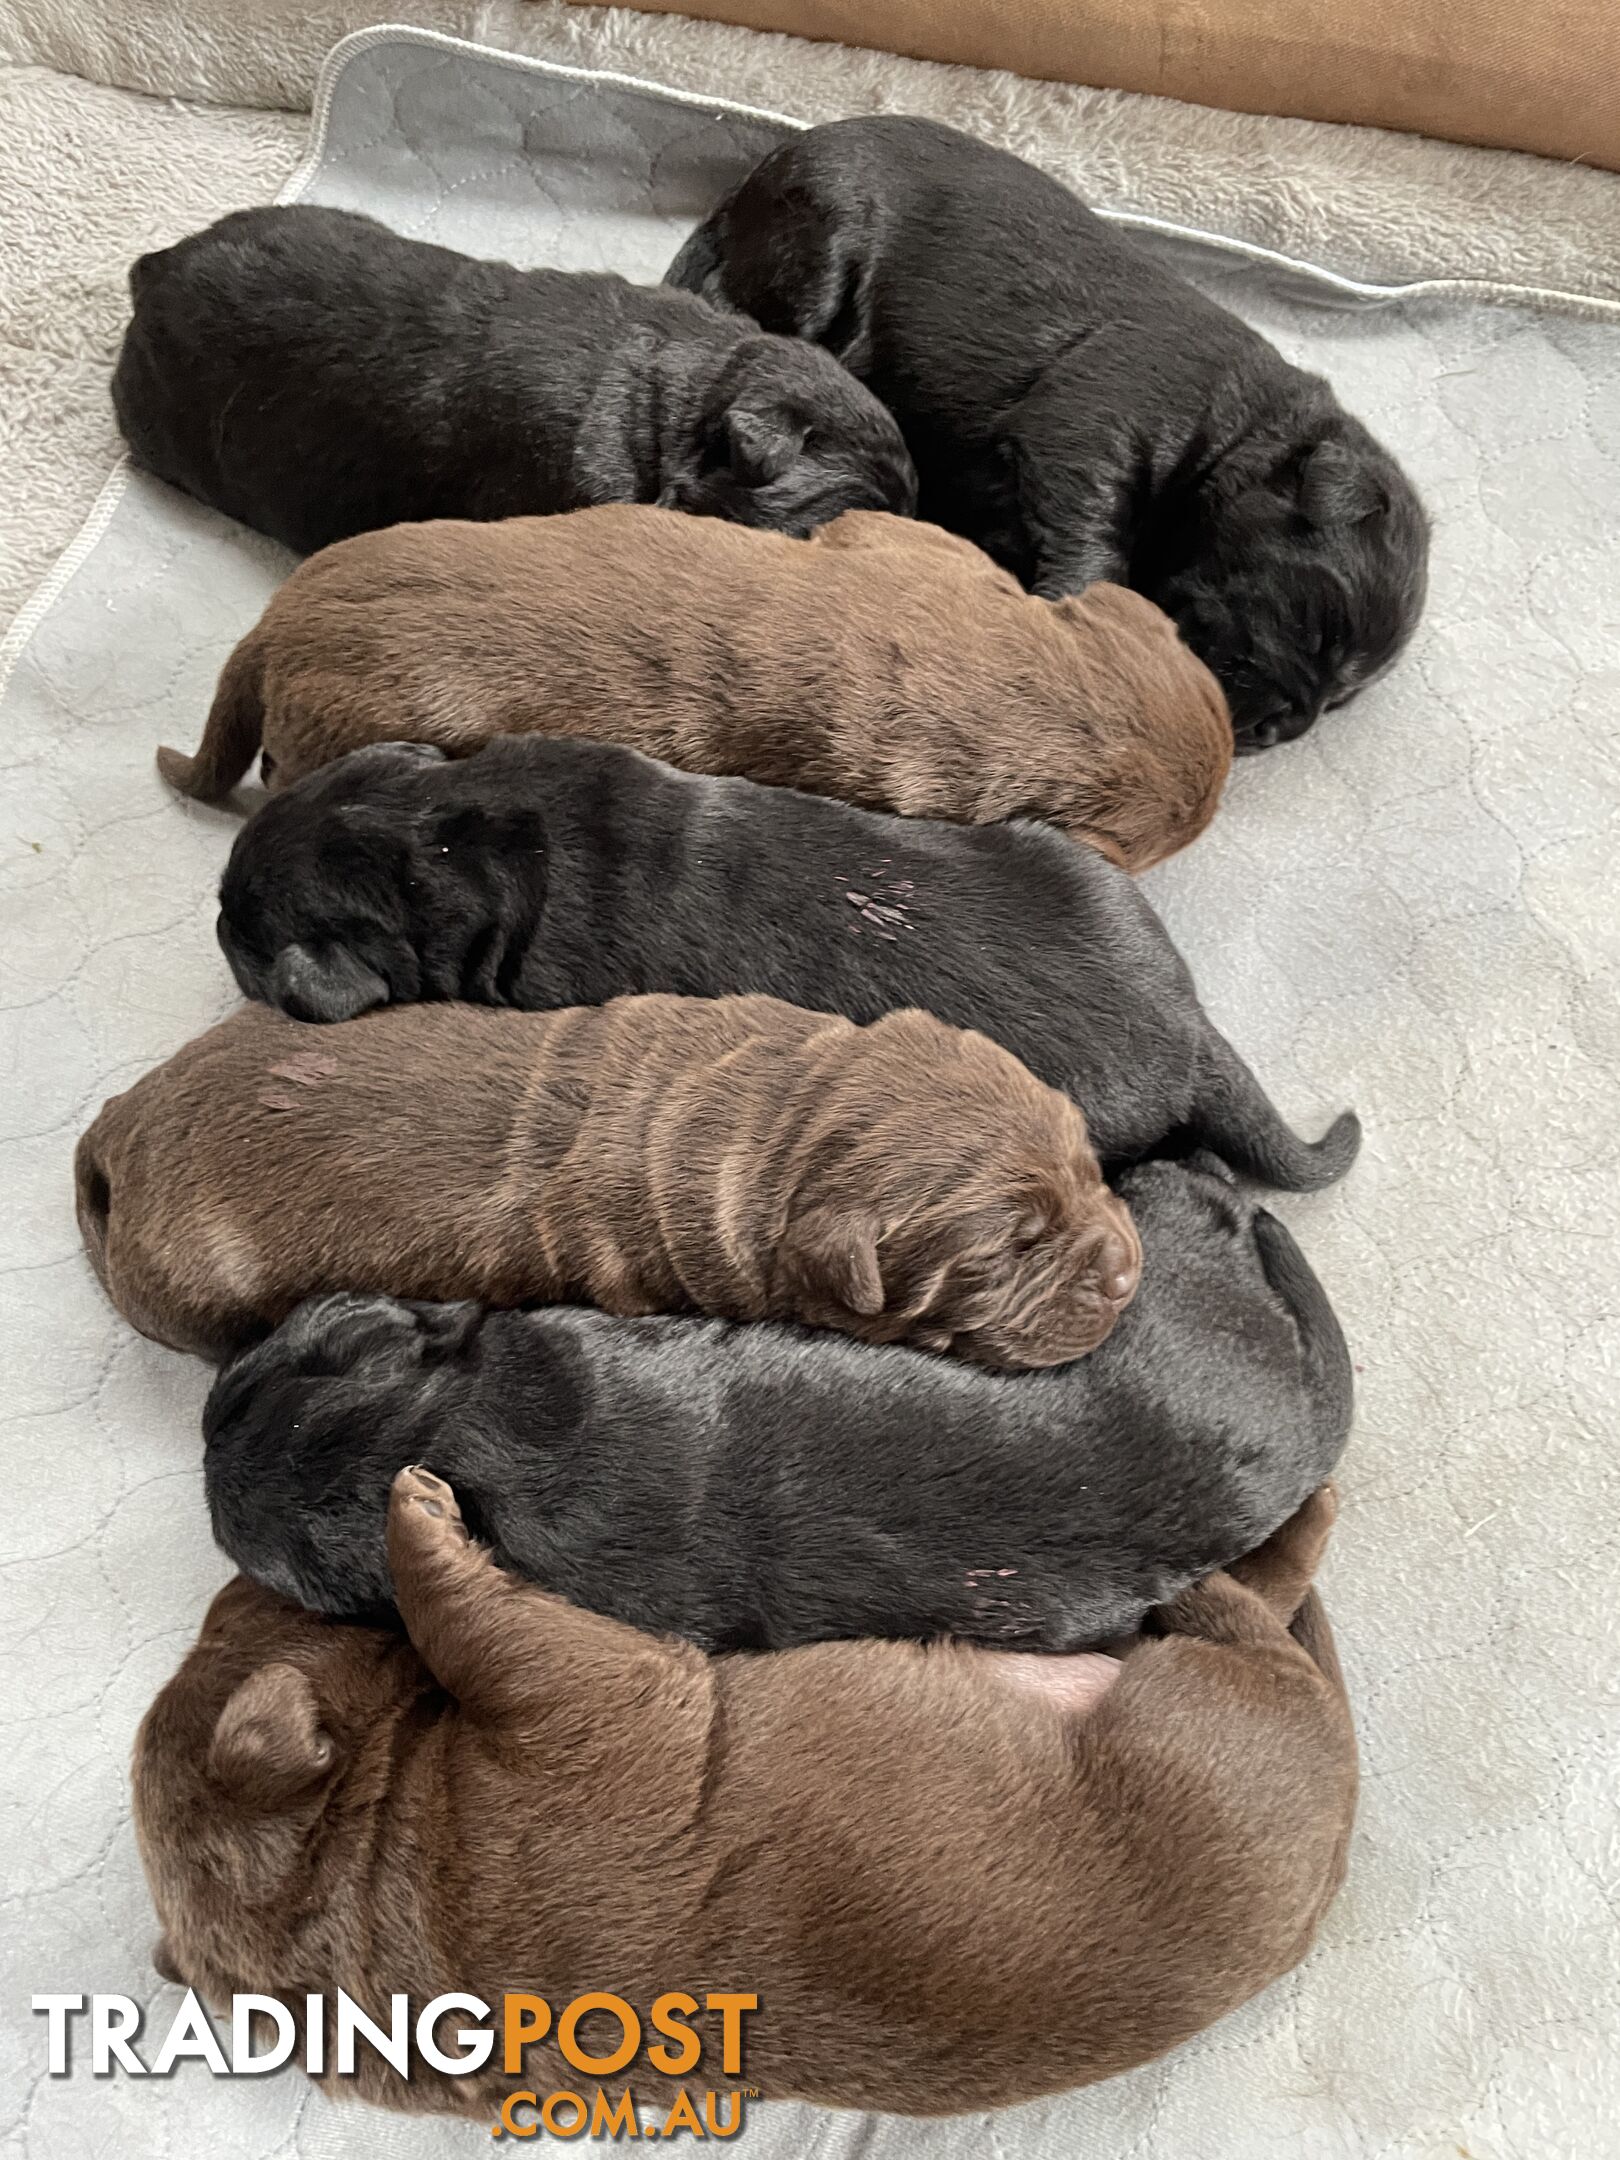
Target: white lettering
190, 2034
108, 2040
243, 2060
474, 2046
58, 2009
394, 2046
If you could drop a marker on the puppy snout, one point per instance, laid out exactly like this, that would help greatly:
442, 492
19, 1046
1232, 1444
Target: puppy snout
1120, 1270
1278, 727
1119, 1265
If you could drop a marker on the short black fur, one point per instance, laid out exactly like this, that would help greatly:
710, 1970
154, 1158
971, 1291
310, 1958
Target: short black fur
314, 374
1078, 409
759, 1487
547, 872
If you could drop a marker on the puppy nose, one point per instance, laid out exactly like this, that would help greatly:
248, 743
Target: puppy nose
1118, 1267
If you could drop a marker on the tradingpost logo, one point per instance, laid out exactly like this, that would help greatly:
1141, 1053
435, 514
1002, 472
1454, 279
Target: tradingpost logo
682, 2040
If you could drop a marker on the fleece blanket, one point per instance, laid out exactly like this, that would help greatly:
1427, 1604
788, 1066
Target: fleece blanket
1408, 911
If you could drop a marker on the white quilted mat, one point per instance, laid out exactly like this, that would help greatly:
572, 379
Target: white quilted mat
1413, 910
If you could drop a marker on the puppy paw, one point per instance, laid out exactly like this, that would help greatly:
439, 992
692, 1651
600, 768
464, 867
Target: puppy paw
1307, 1530
1282, 1568
1312, 1526
419, 1492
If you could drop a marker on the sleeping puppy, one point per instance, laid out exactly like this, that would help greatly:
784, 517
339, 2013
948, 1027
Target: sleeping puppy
544, 873
314, 374
1081, 411
885, 662
754, 1488
904, 1181
954, 1878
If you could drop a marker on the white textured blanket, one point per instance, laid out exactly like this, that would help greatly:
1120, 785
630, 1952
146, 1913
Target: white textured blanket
1412, 910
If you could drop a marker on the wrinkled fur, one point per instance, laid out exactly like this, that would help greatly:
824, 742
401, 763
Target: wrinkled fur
1081, 411
887, 663
314, 374
756, 1488
735, 1156
956, 1878
541, 873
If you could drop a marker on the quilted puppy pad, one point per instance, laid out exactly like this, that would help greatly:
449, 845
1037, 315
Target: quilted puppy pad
1412, 910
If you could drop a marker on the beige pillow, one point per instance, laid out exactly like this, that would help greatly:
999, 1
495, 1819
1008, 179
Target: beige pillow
1514, 74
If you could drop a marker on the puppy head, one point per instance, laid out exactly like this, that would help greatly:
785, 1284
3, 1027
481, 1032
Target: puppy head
787, 440
967, 1214
234, 1764
314, 912
304, 1431
1035, 1274
1160, 732
1309, 579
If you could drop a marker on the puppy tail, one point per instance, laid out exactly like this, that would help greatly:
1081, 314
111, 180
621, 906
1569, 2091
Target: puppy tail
1234, 1115
233, 734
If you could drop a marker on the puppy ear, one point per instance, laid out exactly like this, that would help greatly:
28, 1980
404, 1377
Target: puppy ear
832, 1253
1338, 488
761, 447
268, 1743
163, 1962
327, 985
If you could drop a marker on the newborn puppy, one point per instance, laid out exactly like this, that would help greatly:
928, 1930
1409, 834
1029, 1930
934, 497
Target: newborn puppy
314, 374
755, 1488
955, 1878
886, 662
1080, 411
539, 874
904, 1181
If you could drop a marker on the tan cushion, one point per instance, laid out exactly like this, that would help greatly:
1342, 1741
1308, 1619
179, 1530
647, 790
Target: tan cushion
1515, 74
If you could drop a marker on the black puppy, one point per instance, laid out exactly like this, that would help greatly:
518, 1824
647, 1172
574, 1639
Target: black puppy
315, 375
757, 1487
539, 873
1079, 411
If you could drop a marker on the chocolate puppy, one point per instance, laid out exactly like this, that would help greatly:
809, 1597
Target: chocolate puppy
565, 873
905, 1180
955, 1878
1081, 411
755, 1488
314, 374
885, 662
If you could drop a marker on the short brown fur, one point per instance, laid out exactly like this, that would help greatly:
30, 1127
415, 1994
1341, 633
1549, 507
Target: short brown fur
905, 1180
956, 1878
882, 661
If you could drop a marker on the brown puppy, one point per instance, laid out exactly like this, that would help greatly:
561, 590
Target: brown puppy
881, 661
956, 1878
902, 1181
